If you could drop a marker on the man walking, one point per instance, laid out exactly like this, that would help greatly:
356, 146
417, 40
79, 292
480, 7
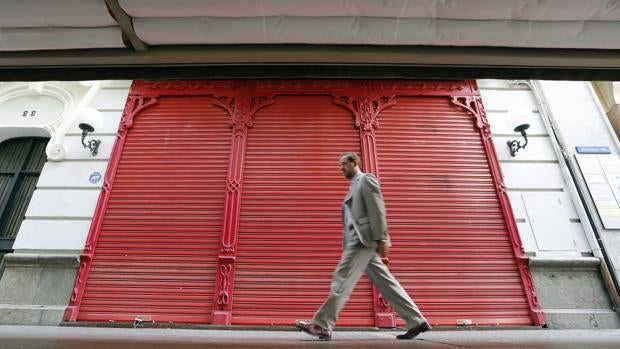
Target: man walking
365, 241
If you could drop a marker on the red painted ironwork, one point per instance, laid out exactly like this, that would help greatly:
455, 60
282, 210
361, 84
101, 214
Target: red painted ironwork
224, 285
473, 106
306, 87
451, 249
241, 109
366, 110
290, 232
157, 248
133, 106
267, 275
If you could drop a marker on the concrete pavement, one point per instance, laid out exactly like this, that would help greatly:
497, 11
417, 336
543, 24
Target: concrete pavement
27, 337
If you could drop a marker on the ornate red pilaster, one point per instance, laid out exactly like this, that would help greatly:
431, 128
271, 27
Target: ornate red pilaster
241, 109
473, 106
133, 106
366, 110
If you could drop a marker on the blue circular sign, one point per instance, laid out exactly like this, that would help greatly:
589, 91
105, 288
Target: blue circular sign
95, 177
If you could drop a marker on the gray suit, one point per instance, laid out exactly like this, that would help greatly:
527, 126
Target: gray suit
364, 206
363, 216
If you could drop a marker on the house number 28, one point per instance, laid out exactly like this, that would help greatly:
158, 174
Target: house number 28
27, 113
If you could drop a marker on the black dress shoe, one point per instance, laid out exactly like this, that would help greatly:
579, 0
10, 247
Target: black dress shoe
414, 331
313, 329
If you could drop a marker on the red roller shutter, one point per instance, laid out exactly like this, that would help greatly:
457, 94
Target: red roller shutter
160, 240
452, 250
290, 231
158, 245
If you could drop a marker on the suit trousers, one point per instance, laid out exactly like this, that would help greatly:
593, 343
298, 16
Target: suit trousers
357, 258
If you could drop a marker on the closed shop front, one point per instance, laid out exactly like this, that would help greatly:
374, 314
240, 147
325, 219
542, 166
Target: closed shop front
157, 245
222, 205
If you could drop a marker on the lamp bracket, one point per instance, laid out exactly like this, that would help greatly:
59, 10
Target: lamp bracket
514, 145
93, 144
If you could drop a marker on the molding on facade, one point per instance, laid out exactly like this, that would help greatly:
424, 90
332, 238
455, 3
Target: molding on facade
565, 263
53, 89
76, 105
38, 260
46, 128
56, 149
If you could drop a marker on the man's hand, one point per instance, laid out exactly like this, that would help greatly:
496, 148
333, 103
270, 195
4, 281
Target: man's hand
382, 249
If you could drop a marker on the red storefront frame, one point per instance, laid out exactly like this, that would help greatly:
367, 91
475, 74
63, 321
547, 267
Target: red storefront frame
241, 100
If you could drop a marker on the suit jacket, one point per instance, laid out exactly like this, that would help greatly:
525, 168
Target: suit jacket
367, 208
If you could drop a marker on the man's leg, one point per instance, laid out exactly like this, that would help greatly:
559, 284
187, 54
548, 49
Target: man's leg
353, 262
394, 293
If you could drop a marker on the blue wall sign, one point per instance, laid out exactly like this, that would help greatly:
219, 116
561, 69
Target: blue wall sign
593, 149
95, 177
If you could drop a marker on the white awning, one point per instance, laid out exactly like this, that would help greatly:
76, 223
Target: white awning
63, 24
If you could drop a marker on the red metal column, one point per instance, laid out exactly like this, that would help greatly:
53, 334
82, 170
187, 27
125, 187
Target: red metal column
241, 109
366, 109
133, 106
473, 106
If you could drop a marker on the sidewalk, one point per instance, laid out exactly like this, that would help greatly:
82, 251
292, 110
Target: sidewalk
28, 337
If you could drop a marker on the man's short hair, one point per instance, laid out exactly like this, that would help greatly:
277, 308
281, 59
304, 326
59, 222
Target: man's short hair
352, 157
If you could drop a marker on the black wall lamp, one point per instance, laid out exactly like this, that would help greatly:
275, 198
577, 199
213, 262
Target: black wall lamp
89, 119
93, 144
515, 145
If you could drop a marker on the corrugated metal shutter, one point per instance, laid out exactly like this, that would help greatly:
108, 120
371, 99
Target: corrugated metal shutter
451, 251
157, 249
290, 231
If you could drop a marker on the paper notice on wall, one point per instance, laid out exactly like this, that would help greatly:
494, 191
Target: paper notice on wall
595, 179
603, 195
602, 176
610, 211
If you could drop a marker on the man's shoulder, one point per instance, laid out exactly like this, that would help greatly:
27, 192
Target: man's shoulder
368, 178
